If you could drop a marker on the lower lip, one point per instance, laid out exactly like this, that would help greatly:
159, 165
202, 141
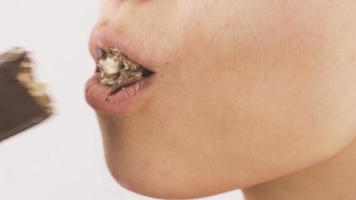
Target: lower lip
97, 95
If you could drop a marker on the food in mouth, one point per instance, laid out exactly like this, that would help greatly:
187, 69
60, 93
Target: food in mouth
23, 102
117, 71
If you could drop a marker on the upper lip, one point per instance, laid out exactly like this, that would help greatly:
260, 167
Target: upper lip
103, 37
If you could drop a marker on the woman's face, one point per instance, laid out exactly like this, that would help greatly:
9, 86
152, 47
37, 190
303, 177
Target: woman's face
244, 92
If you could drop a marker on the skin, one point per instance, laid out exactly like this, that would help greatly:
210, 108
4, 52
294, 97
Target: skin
252, 95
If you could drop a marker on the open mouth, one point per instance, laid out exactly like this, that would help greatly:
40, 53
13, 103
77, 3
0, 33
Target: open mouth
117, 71
123, 75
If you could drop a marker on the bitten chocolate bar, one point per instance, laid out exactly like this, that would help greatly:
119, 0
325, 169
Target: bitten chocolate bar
117, 70
23, 102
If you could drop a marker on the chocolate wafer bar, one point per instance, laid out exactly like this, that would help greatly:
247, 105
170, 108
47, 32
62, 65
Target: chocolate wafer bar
117, 70
23, 102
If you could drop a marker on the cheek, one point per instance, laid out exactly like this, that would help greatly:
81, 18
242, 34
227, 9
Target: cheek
251, 103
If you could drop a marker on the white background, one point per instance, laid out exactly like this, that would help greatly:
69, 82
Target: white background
61, 159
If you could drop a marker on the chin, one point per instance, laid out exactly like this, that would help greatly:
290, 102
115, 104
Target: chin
153, 178
166, 188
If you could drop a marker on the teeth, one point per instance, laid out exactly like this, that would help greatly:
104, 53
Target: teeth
117, 70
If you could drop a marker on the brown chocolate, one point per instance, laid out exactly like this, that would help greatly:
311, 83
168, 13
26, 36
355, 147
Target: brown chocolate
23, 102
117, 70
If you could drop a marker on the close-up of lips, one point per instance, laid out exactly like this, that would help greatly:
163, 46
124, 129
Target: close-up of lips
118, 79
178, 99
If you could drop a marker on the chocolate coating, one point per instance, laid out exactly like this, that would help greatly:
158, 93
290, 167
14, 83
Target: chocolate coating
18, 109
